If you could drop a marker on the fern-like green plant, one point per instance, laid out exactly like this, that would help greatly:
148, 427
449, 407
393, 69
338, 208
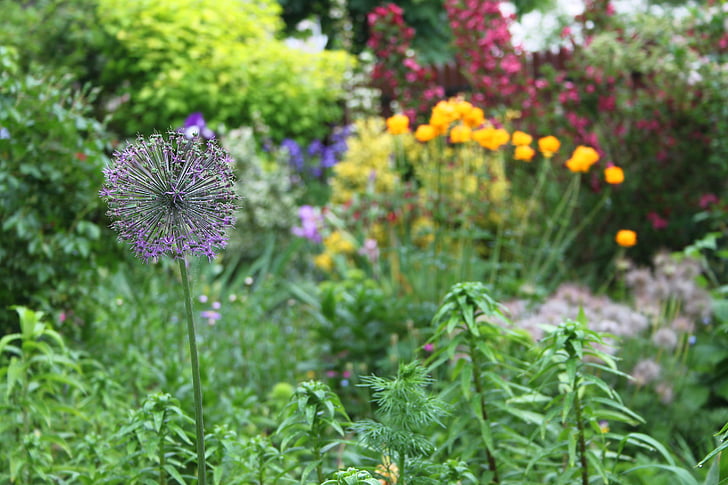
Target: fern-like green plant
405, 411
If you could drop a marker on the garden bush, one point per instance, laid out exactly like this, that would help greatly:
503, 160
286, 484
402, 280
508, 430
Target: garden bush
52, 154
171, 59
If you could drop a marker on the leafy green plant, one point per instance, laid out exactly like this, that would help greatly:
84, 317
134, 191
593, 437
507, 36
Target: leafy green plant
215, 57
470, 323
312, 410
52, 224
405, 411
40, 384
352, 476
241, 460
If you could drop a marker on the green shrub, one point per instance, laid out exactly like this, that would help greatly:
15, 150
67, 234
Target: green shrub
221, 58
52, 157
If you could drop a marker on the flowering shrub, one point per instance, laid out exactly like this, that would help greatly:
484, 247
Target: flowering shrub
440, 201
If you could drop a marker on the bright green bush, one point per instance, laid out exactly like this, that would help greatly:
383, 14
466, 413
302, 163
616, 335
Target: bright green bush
51, 157
221, 58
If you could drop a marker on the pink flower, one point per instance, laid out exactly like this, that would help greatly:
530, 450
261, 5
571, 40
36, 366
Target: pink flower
657, 221
706, 200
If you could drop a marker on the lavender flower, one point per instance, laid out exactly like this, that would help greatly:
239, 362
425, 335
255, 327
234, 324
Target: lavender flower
171, 196
311, 220
195, 126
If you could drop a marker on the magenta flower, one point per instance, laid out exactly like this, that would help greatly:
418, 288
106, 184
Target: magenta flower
171, 196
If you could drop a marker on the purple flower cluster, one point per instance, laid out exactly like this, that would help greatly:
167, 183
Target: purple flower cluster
171, 196
311, 221
318, 156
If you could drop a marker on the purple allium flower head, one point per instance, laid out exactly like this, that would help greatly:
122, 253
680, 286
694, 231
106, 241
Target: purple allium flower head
171, 195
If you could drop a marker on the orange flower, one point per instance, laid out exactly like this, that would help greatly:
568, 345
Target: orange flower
626, 238
491, 138
475, 117
460, 134
397, 124
548, 145
425, 133
462, 107
614, 175
443, 114
524, 152
520, 138
582, 159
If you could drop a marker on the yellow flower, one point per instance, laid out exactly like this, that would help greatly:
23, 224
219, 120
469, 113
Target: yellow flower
474, 118
423, 231
491, 138
324, 261
460, 134
524, 152
397, 124
462, 107
520, 138
548, 145
443, 114
425, 133
338, 244
614, 175
626, 238
582, 159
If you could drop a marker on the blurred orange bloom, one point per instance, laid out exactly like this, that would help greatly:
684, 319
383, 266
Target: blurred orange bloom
460, 134
397, 124
626, 238
491, 138
524, 152
520, 138
548, 145
425, 133
582, 159
614, 175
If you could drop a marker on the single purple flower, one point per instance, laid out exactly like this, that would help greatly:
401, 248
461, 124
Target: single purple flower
195, 126
4, 133
171, 196
311, 220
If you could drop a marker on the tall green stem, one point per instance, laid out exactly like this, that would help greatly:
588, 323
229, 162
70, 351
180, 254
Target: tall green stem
480, 390
582, 442
199, 425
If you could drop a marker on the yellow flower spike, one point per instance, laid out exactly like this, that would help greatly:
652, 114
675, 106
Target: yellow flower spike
626, 238
520, 138
337, 243
460, 134
614, 175
524, 152
548, 145
425, 133
397, 124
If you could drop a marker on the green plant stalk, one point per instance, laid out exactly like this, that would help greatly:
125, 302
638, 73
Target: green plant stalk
199, 425
484, 413
162, 474
402, 468
582, 442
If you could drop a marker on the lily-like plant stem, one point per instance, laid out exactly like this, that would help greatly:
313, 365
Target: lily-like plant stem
197, 389
480, 390
582, 442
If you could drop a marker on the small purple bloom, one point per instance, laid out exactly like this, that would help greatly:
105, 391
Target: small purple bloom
4, 133
210, 315
171, 196
311, 220
428, 347
195, 126
692, 339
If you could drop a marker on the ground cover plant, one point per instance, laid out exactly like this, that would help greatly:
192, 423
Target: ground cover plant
464, 287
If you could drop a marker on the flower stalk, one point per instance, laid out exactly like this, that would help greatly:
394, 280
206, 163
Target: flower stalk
196, 387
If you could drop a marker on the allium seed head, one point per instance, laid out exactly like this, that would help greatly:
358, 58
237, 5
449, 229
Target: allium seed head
171, 195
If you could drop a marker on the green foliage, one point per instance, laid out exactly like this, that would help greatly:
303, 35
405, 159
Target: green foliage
52, 220
216, 58
352, 476
311, 412
405, 412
